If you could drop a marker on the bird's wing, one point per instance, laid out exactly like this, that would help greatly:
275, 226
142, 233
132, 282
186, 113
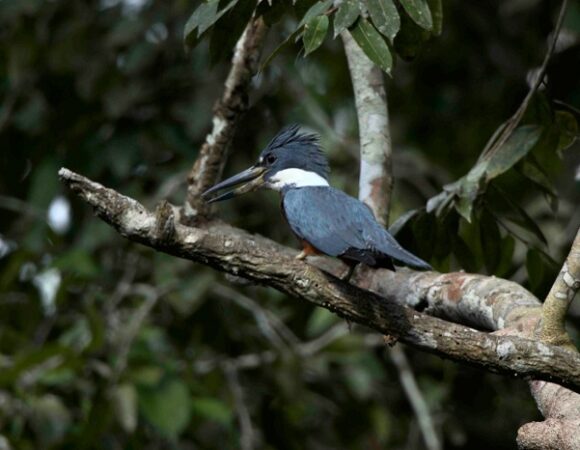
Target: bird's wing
323, 216
382, 241
334, 223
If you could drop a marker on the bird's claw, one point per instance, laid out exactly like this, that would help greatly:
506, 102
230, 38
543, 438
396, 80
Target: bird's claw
301, 256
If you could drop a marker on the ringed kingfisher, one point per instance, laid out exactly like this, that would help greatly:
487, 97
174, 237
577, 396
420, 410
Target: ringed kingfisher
325, 220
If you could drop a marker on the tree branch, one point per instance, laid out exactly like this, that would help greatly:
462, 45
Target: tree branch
502, 135
258, 259
247, 438
375, 180
375, 187
559, 299
212, 157
418, 403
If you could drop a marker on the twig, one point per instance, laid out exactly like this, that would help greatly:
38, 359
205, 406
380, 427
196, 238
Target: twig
415, 397
20, 206
233, 104
324, 340
131, 329
559, 299
269, 324
376, 179
247, 438
498, 140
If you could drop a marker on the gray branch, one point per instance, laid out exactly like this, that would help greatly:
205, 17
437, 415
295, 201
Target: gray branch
212, 158
375, 180
260, 260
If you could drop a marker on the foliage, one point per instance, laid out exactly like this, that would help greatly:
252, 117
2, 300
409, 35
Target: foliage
105, 344
373, 23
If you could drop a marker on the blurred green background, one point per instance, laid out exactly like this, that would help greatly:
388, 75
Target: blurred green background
106, 344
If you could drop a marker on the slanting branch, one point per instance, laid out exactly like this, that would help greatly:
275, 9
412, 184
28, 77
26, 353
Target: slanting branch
375, 180
559, 299
260, 260
212, 157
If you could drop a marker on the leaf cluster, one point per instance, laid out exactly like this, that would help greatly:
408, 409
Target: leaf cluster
380, 27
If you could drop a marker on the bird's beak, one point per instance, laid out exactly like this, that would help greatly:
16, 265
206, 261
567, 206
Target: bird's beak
252, 177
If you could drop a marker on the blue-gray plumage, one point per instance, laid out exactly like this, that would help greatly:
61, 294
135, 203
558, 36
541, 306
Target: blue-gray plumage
325, 219
337, 224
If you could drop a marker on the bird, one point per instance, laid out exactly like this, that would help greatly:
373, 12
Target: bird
326, 220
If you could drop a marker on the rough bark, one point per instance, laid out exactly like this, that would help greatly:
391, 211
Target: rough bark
492, 304
258, 259
559, 299
484, 302
375, 180
209, 166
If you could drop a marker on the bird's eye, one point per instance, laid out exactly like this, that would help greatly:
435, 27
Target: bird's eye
271, 158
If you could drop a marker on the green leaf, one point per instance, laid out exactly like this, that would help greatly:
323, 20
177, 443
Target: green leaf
464, 206
50, 419
319, 321
372, 43
212, 409
410, 39
568, 128
203, 18
400, 223
535, 267
224, 38
536, 174
515, 148
346, 15
385, 17
296, 34
505, 261
317, 9
124, 398
167, 406
463, 254
436, 7
490, 241
425, 231
35, 360
314, 33
419, 11
521, 217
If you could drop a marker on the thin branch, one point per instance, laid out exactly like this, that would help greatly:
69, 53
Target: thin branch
418, 403
498, 140
376, 179
247, 438
131, 329
260, 260
232, 105
267, 323
324, 340
20, 206
559, 299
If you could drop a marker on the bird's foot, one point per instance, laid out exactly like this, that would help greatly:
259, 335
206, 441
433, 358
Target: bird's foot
301, 256
348, 274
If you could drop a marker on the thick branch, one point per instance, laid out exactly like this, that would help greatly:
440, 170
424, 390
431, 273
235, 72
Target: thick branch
258, 259
376, 180
560, 297
210, 163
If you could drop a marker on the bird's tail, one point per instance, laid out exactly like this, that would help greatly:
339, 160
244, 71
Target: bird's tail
410, 260
393, 249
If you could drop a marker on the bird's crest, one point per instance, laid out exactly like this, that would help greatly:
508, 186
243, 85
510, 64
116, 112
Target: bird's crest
305, 146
